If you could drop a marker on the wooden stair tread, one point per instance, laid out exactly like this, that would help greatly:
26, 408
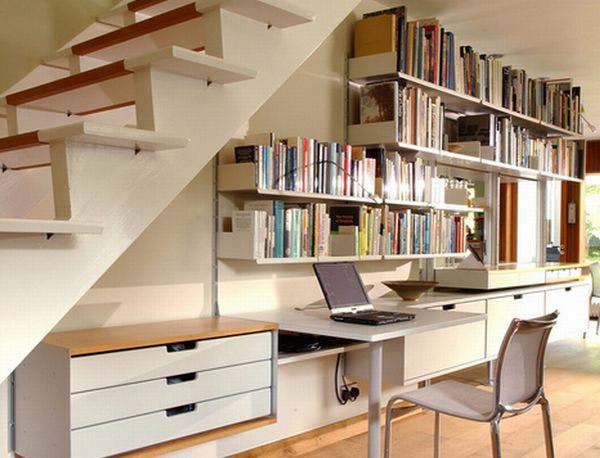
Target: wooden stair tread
112, 85
278, 13
177, 27
42, 226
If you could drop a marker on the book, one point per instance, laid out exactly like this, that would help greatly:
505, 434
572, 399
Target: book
399, 13
375, 35
378, 102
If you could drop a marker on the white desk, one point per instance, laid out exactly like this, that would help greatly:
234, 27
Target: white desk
318, 322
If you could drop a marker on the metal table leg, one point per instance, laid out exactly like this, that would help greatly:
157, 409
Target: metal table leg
375, 370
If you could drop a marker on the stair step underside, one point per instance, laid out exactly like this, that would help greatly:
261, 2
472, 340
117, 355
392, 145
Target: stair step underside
30, 150
42, 226
278, 13
112, 86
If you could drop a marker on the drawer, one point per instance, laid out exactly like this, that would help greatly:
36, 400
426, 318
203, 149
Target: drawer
573, 306
123, 367
439, 351
501, 311
133, 433
467, 307
109, 404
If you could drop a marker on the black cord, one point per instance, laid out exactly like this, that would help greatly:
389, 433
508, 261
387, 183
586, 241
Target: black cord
335, 381
370, 195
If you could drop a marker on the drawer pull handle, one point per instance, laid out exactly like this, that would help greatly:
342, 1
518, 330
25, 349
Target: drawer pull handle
449, 307
568, 288
181, 410
181, 346
517, 297
176, 379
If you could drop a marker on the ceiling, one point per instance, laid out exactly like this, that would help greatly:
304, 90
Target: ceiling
552, 38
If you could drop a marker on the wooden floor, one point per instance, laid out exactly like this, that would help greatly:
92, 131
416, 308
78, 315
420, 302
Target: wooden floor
573, 387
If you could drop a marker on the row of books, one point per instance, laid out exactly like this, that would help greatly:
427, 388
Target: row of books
420, 117
517, 146
432, 232
563, 158
281, 230
306, 165
407, 180
426, 50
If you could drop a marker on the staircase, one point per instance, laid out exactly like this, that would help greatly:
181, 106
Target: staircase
187, 75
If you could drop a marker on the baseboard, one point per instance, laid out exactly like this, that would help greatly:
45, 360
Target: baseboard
326, 435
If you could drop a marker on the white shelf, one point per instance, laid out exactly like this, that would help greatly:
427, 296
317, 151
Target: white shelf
383, 67
435, 206
553, 176
38, 226
399, 257
313, 260
290, 358
384, 134
316, 196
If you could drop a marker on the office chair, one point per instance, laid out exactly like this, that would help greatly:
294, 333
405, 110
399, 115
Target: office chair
595, 297
519, 387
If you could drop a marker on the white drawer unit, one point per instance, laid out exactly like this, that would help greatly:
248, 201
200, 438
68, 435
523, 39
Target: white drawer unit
572, 302
502, 310
108, 391
425, 355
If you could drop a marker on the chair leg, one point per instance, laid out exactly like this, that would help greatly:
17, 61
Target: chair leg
598, 325
547, 427
437, 438
495, 432
388, 427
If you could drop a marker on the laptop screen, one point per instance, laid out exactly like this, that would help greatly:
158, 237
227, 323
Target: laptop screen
341, 285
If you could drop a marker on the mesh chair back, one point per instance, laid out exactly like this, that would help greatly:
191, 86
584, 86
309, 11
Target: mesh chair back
520, 366
595, 271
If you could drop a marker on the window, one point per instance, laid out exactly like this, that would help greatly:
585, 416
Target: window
592, 216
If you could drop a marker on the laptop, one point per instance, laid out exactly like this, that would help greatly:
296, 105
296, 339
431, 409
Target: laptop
347, 298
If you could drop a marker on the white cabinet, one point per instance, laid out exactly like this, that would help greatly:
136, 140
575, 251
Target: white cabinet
502, 310
71, 403
572, 303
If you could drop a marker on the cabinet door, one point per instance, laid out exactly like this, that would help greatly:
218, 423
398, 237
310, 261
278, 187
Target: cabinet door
440, 351
572, 304
502, 310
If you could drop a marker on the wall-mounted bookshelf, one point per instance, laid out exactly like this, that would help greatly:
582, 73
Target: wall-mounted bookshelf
383, 67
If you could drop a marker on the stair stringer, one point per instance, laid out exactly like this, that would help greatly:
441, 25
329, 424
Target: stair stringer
42, 279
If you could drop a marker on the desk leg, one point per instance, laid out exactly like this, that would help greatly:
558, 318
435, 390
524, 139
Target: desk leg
375, 369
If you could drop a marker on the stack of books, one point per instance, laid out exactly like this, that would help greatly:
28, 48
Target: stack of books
408, 232
427, 51
562, 158
407, 180
305, 165
281, 230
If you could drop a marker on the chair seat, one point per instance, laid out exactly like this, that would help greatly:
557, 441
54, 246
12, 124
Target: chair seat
455, 399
